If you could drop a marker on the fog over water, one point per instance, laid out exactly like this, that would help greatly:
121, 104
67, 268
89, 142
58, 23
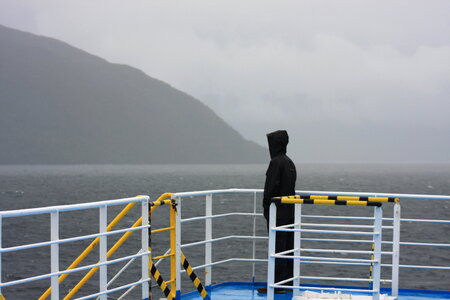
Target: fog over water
352, 81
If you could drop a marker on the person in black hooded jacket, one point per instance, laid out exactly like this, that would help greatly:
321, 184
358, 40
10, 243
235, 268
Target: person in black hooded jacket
280, 181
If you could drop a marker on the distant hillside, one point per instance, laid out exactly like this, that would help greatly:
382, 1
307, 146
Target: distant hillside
61, 105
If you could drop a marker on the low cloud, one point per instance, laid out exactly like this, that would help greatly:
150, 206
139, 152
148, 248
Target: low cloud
340, 76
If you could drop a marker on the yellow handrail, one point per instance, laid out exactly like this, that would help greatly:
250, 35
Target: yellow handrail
89, 248
113, 249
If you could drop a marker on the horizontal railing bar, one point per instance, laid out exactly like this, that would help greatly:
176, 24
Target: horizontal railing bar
368, 194
259, 260
370, 241
326, 231
371, 218
332, 259
336, 251
418, 267
160, 260
425, 244
321, 262
163, 256
421, 220
336, 240
45, 276
334, 263
342, 279
214, 192
114, 289
163, 229
74, 239
70, 207
219, 216
419, 244
336, 225
303, 192
338, 217
224, 238
306, 287
337, 278
332, 251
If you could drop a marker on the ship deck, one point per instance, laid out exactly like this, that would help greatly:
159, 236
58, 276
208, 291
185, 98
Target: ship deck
248, 290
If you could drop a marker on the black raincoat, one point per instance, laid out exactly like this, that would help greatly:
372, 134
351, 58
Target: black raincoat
280, 176
280, 181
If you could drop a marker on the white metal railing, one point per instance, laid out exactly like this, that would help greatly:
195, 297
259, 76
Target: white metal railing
209, 240
55, 241
297, 229
255, 195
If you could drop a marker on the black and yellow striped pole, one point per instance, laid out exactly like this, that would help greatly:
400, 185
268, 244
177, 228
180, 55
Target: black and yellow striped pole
195, 280
298, 200
347, 198
160, 281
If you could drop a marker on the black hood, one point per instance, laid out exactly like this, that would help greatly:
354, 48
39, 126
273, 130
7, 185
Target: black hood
278, 141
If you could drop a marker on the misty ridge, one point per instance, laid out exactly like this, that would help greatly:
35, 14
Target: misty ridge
61, 105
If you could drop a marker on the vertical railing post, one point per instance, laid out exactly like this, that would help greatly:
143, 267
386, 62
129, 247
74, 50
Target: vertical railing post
254, 240
145, 248
178, 248
297, 246
395, 250
54, 253
103, 282
271, 252
377, 251
208, 246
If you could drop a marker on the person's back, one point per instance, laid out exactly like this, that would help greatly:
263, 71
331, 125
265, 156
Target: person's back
280, 176
280, 181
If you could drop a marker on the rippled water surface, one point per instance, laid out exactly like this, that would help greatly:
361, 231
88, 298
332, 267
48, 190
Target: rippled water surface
37, 186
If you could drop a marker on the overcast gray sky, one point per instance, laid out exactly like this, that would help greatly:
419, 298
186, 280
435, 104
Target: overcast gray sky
364, 81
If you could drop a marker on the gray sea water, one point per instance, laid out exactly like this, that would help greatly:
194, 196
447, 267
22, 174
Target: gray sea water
37, 186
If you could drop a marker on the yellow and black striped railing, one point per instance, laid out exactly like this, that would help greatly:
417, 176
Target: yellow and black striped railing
170, 292
161, 202
160, 281
349, 198
298, 200
195, 280
168, 287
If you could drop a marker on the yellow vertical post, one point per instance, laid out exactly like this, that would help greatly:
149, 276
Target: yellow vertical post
173, 249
